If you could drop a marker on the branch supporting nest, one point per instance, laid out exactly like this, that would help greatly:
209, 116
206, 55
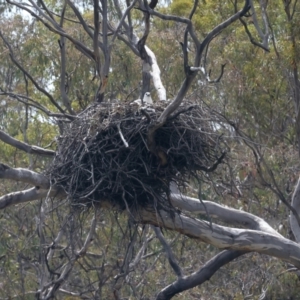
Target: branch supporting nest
98, 160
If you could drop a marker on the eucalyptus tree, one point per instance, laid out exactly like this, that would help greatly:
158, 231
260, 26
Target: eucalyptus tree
97, 54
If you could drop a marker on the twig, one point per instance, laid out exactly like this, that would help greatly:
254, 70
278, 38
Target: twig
182, 111
121, 135
175, 266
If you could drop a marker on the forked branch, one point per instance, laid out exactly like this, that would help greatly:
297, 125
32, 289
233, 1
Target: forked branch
225, 237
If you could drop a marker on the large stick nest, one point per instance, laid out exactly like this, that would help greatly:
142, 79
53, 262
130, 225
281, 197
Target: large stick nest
104, 155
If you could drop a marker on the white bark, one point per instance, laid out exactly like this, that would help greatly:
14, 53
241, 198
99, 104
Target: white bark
24, 175
266, 240
225, 214
224, 237
28, 195
155, 73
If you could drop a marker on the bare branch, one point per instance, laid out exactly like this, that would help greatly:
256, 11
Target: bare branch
89, 237
129, 44
172, 260
50, 14
96, 35
53, 286
140, 253
34, 193
199, 277
296, 205
122, 136
207, 75
264, 36
23, 146
252, 40
260, 161
224, 237
225, 214
29, 101
11, 53
147, 61
222, 26
65, 292
24, 175
49, 19
63, 74
80, 46
81, 20
196, 2
179, 20
123, 19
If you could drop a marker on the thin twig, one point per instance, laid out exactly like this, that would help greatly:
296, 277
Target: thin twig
122, 136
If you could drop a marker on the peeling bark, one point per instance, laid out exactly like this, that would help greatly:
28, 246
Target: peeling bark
155, 73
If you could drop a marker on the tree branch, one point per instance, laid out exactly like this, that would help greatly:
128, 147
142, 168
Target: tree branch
128, 9
24, 175
29, 101
27, 196
169, 253
11, 54
199, 277
179, 20
222, 213
23, 146
63, 74
296, 205
81, 20
190, 75
224, 237
222, 26
80, 46
147, 61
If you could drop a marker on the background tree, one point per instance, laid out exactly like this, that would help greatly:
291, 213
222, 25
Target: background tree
58, 59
